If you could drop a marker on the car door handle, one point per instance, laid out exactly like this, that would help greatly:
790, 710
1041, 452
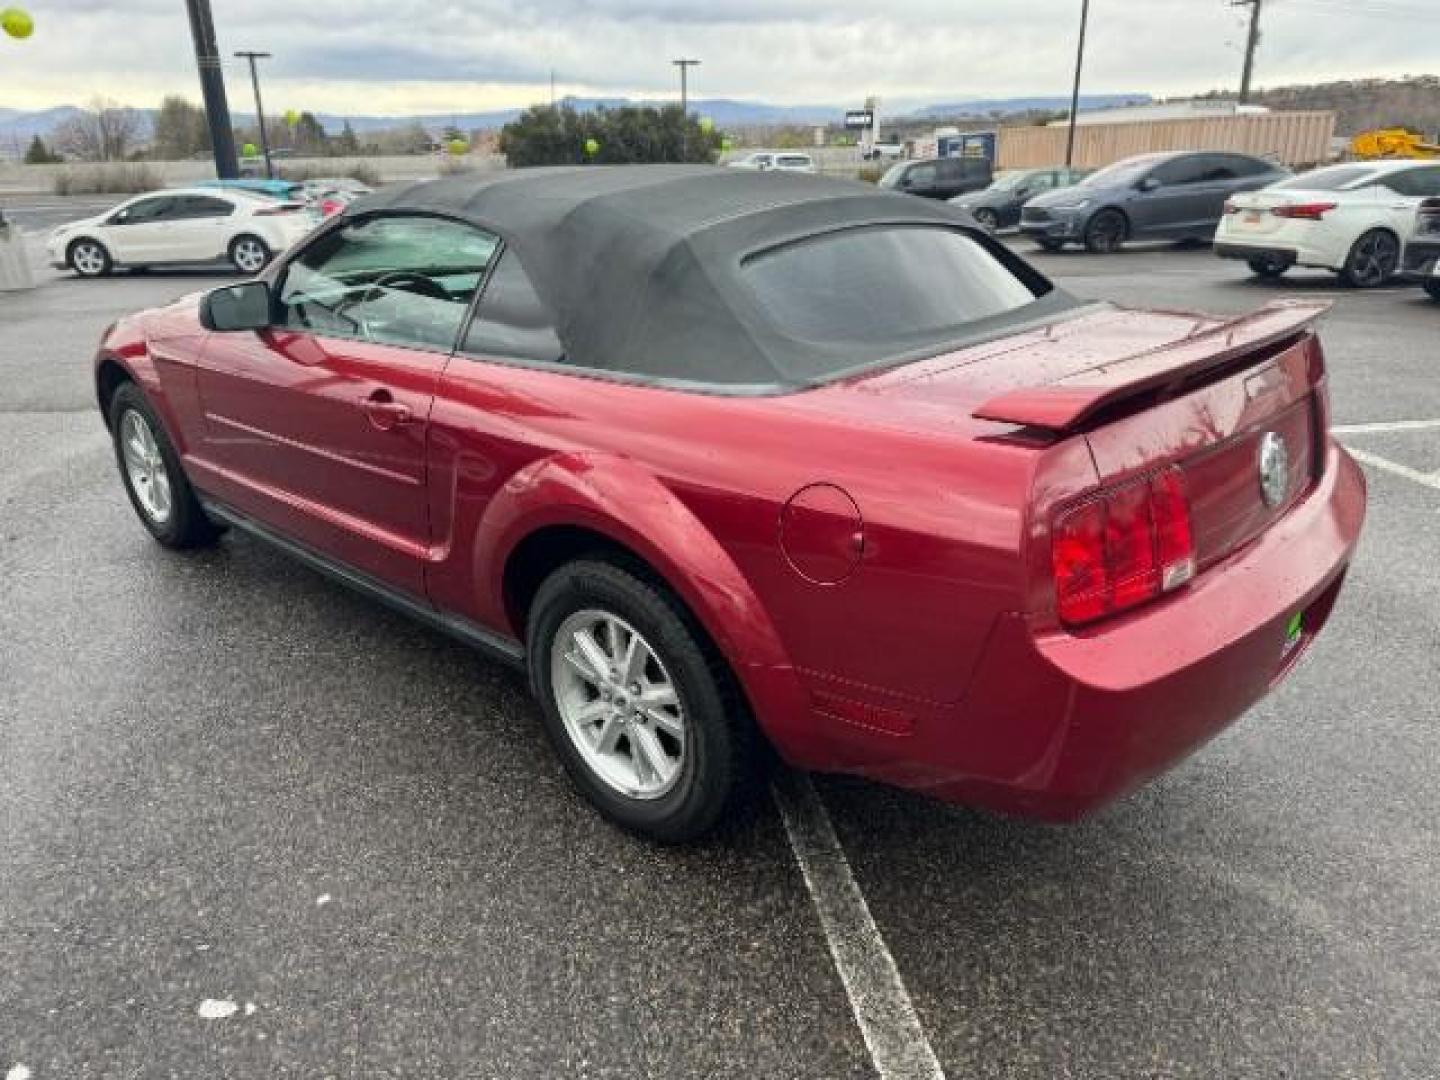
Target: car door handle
384, 412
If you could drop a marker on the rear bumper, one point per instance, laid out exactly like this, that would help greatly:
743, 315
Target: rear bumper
1421, 261
1057, 725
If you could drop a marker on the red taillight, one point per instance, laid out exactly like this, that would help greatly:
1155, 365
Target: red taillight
280, 208
1304, 211
1124, 546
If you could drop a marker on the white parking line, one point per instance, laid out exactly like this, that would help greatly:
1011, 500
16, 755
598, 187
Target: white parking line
1430, 480
878, 998
1385, 426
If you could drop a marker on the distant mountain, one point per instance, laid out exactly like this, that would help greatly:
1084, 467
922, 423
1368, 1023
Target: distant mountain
17, 126
987, 107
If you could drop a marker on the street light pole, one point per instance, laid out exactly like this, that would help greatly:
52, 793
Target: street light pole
685, 66
1075, 93
259, 107
212, 88
1252, 43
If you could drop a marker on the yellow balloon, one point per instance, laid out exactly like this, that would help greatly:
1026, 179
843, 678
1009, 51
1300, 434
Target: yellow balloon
17, 23
592, 147
292, 117
706, 124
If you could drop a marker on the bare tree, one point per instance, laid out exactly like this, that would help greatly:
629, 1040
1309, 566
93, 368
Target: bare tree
104, 131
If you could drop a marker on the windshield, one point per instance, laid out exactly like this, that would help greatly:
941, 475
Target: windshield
1122, 172
883, 284
1009, 181
1333, 178
893, 174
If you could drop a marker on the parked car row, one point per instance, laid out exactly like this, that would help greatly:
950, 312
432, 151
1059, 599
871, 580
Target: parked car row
243, 222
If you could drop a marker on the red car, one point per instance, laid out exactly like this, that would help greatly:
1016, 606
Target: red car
727, 459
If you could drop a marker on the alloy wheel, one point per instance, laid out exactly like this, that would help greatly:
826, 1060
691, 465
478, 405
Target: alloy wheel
1374, 260
145, 468
987, 219
88, 259
249, 255
618, 703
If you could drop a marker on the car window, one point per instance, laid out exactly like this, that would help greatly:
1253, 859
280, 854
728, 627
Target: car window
1248, 166
794, 159
1185, 170
1333, 178
399, 279
1040, 182
1414, 182
1122, 172
922, 175
881, 284
511, 321
1216, 168
973, 166
201, 206
156, 208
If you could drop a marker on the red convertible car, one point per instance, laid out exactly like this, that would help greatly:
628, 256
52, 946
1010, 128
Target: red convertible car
730, 459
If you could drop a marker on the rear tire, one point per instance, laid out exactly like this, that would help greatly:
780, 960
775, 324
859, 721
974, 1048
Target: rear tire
664, 749
1267, 266
89, 258
150, 470
249, 254
1373, 260
1433, 288
1106, 232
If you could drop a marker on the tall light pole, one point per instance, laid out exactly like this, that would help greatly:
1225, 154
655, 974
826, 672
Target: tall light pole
1075, 93
212, 88
259, 107
1252, 43
685, 66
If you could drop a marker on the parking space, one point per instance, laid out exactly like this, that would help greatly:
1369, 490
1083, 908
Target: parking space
229, 782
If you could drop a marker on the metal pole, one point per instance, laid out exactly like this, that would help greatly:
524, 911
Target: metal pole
212, 88
1252, 43
685, 66
1075, 93
260, 108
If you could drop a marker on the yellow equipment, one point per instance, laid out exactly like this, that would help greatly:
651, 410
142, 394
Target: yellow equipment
1392, 143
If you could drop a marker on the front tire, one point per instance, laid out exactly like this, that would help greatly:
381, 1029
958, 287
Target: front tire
1373, 260
249, 254
89, 258
1052, 246
641, 711
1105, 232
987, 219
150, 469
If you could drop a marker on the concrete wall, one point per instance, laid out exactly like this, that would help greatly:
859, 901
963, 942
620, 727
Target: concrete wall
1293, 138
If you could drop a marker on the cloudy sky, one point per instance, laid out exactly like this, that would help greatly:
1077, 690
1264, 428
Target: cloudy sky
413, 56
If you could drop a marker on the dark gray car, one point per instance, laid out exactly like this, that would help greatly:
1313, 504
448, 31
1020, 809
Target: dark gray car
938, 178
1166, 196
998, 206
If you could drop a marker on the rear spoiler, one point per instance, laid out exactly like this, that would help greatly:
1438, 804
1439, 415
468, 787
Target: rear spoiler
1068, 403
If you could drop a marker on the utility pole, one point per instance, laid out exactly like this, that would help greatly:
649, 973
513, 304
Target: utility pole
1252, 43
1075, 93
259, 108
212, 87
685, 66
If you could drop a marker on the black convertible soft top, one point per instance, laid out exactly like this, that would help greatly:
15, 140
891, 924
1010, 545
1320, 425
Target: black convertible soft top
639, 267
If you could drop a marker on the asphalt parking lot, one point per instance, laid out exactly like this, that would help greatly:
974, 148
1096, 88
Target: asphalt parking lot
252, 825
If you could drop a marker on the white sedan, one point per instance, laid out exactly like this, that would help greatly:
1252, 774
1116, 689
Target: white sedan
186, 225
1353, 219
782, 161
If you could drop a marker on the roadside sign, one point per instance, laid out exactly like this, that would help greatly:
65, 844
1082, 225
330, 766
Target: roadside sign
859, 118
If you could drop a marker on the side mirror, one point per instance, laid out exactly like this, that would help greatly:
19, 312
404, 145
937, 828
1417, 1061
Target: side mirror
237, 307
1150, 183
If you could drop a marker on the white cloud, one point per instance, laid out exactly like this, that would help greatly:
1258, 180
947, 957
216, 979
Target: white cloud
394, 56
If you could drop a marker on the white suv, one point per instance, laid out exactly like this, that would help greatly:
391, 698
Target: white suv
186, 225
779, 161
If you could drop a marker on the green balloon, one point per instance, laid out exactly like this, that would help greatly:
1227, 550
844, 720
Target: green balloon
727, 144
17, 23
458, 147
249, 149
592, 147
292, 117
706, 124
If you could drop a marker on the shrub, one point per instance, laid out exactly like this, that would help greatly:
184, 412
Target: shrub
870, 173
362, 171
113, 178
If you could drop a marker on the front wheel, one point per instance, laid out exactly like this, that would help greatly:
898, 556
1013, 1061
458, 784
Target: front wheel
640, 710
1372, 261
1105, 233
88, 258
150, 469
1051, 246
987, 219
249, 254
